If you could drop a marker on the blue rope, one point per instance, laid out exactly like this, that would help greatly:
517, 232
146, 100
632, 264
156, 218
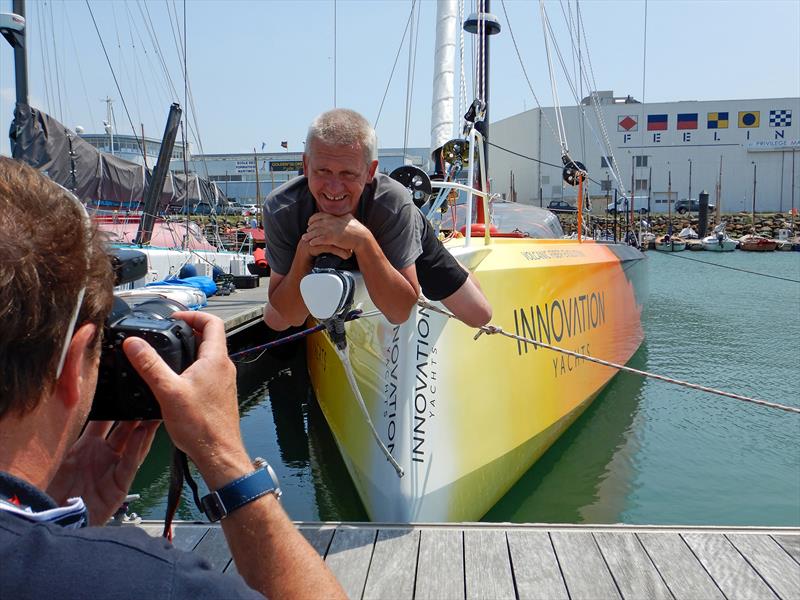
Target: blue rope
354, 314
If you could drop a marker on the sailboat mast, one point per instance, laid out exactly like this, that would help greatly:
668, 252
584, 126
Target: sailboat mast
719, 192
20, 56
443, 76
484, 24
160, 171
669, 202
754, 197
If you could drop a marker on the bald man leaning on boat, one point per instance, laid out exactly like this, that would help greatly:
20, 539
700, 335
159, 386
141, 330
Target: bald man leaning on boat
59, 474
342, 206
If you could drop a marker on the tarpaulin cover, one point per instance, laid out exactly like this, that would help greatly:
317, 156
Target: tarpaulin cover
97, 177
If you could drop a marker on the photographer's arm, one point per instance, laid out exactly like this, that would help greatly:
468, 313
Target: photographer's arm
201, 414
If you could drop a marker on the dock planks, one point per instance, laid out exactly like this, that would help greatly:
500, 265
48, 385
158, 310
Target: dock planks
482, 560
240, 309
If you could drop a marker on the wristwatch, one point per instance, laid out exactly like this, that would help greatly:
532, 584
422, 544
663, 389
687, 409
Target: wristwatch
222, 502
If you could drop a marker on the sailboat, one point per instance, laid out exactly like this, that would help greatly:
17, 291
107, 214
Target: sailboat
435, 425
669, 242
100, 180
754, 242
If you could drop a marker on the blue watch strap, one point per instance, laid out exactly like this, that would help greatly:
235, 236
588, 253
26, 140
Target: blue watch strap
239, 492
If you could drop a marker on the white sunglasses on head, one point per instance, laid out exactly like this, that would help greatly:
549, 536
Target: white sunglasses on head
79, 301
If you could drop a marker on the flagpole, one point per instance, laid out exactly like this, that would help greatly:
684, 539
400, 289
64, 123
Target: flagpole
258, 184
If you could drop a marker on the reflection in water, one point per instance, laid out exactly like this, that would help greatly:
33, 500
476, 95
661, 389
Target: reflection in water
644, 452
586, 475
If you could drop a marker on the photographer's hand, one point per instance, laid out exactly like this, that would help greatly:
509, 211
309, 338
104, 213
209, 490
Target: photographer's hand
201, 414
100, 466
200, 406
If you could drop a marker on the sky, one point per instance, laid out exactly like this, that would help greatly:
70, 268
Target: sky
260, 70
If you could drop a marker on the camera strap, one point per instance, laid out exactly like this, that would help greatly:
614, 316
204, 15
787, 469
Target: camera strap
178, 473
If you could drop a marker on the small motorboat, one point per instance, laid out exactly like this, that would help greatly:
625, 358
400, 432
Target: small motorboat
756, 243
719, 241
670, 243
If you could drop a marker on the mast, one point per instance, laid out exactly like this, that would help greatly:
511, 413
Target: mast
754, 197
793, 211
443, 76
484, 24
20, 56
160, 171
669, 202
258, 183
719, 192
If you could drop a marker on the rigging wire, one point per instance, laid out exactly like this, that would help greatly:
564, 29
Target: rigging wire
462, 84
705, 262
116, 83
542, 162
644, 51
151, 68
151, 31
121, 60
562, 135
493, 330
394, 66
80, 68
55, 60
44, 56
412, 62
335, 64
598, 114
525, 73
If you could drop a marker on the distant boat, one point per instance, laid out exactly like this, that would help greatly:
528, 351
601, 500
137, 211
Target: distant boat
670, 243
719, 241
756, 243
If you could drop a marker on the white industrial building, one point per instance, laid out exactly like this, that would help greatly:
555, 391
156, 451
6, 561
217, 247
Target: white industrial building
649, 142
235, 174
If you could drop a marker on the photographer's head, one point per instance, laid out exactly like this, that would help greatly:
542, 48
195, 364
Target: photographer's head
49, 253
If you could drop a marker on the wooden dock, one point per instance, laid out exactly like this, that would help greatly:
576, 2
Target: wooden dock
241, 309
494, 561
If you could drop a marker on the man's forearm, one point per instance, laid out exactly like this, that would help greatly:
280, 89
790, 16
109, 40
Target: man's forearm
270, 553
273, 557
392, 293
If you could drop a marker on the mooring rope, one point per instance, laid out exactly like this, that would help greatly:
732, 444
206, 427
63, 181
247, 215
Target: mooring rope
353, 314
713, 264
493, 329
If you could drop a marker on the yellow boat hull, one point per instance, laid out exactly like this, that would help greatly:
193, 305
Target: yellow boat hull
466, 418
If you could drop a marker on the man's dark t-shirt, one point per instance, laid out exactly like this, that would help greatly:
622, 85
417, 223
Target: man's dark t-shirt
45, 560
386, 209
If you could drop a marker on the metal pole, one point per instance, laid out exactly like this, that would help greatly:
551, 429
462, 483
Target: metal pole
669, 202
153, 193
793, 153
690, 185
754, 196
20, 57
783, 160
633, 189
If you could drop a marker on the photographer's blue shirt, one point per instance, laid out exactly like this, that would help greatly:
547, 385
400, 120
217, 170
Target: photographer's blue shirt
47, 552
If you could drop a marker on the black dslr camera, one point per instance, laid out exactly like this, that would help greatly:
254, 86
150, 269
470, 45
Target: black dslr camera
121, 394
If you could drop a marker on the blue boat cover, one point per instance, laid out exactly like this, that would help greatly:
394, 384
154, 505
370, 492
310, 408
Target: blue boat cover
201, 282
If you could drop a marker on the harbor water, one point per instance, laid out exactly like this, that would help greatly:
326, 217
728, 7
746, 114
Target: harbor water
645, 452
